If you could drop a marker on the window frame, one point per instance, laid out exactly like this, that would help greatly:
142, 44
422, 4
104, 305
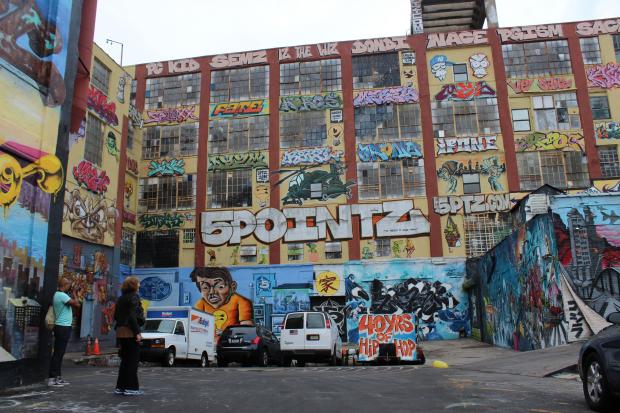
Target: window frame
458, 77
409, 185
605, 107
230, 186
590, 55
94, 139
518, 57
367, 73
101, 70
293, 77
172, 91
295, 247
519, 121
536, 169
610, 168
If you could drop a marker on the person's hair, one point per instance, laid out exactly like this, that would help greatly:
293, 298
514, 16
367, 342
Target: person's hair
130, 285
62, 281
211, 272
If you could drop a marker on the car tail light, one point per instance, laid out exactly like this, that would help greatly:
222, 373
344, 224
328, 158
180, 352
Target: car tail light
328, 322
256, 340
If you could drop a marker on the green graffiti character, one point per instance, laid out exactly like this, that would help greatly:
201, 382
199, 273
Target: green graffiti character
111, 145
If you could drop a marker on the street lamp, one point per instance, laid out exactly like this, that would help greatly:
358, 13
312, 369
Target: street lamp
110, 41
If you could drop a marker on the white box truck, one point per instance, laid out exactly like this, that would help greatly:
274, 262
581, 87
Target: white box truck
175, 333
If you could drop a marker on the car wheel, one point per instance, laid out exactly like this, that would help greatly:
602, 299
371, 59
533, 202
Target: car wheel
204, 360
595, 386
263, 358
169, 358
221, 363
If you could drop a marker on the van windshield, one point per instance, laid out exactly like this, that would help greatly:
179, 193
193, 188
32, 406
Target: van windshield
159, 326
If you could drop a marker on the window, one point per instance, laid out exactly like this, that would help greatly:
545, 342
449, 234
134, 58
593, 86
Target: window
170, 141
608, 156
294, 321
101, 76
130, 135
537, 59
616, 38
387, 123
303, 129
521, 120
484, 231
564, 170
295, 252
93, 147
383, 247
310, 77
315, 320
376, 71
127, 237
172, 91
157, 249
333, 250
471, 183
551, 112
189, 236
392, 179
230, 189
247, 253
600, 107
235, 85
134, 90
167, 193
239, 134
460, 73
466, 118
590, 50
179, 330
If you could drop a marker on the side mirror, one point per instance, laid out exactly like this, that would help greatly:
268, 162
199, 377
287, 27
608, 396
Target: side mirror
614, 318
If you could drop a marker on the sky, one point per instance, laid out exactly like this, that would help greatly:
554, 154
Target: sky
157, 30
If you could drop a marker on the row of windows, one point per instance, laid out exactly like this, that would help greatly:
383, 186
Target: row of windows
170, 141
167, 193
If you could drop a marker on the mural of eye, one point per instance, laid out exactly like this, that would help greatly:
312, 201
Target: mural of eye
155, 289
79, 210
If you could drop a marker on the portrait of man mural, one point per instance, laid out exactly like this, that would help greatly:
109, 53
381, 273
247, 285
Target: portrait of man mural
219, 297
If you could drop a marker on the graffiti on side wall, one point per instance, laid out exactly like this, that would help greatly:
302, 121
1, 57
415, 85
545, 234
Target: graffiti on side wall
170, 116
373, 152
98, 102
305, 184
111, 145
439, 66
135, 117
465, 91
330, 100
172, 167
122, 82
161, 221
452, 234
456, 145
245, 108
91, 217
544, 84
75, 137
237, 161
336, 309
471, 204
538, 141
375, 330
391, 95
132, 166
604, 76
90, 177
451, 170
313, 156
479, 64
607, 130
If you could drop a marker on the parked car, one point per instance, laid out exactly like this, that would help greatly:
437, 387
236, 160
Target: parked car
248, 345
310, 336
599, 367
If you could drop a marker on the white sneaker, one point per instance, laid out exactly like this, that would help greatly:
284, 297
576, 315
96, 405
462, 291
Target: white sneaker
59, 380
52, 382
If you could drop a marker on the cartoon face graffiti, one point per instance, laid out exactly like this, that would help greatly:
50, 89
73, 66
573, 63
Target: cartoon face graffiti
439, 66
111, 145
90, 217
479, 65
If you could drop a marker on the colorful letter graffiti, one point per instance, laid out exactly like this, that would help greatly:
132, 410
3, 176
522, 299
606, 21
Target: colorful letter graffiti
237, 161
539, 141
471, 204
170, 115
604, 76
98, 102
90, 217
399, 94
373, 152
465, 91
166, 220
519, 34
173, 167
331, 100
462, 38
456, 145
544, 85
314, 156
451, 170
479, 64
228, 226
375, 330
439, 66
244, 108
90, 177
607, 130
386, 44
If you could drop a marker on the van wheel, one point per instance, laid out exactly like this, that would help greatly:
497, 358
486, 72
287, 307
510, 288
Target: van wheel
169, 358
204, 360
263, 358
333, 361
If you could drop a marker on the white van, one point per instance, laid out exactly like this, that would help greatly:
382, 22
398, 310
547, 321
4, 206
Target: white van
172, 333
310, 336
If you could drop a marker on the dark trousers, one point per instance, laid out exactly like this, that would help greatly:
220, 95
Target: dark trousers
61, 339
128, 370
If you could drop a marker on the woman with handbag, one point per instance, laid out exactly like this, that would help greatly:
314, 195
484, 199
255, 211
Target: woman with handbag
129, 317
62, 305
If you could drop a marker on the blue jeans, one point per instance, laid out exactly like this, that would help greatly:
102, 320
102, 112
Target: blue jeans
61, 339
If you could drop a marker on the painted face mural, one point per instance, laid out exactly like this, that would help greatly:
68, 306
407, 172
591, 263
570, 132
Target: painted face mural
90, 216
479, 64
439, 66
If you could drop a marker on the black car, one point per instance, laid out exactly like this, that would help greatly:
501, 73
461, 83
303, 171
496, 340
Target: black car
248, 345
599, 367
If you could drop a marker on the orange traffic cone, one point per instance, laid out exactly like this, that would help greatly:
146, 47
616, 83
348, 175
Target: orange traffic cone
96, 351
88, 344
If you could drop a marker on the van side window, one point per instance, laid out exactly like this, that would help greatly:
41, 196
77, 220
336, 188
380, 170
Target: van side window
294, 321
315, 320
180, 330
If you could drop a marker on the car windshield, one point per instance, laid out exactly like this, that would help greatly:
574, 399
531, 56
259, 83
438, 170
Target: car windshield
159, 326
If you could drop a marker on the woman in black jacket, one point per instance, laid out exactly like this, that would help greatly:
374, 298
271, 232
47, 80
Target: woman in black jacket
129, 317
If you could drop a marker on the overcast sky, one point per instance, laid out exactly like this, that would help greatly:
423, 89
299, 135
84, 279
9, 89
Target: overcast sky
154, 30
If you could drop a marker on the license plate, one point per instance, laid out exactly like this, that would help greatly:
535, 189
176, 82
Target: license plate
234, 340
314, 337
293, 332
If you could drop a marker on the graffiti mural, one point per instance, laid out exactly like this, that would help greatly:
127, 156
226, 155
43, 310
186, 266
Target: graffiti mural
132, 166
607, 130
439, 66
392, 95
98, 102
111, 145
544, 84
311, 157
450, 171
539, 141
166, 220
237, 161
336, 308
456, 145
330, 100
91, 217
469, 204
75, 137
88, 176
135, 117
604, 76
479, 64
373, 152
305, 184
452, 234
170, 116
465, 91
173, 167
375, 330
245, 108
